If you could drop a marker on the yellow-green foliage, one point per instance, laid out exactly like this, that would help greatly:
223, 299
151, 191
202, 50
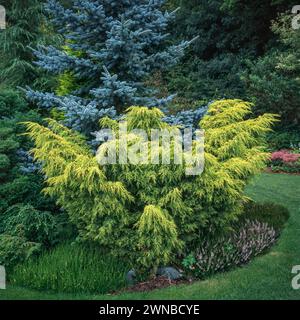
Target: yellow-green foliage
150, 212
157, 237
57, 114
67, 84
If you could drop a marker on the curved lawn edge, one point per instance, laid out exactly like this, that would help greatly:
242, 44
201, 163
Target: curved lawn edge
266, 277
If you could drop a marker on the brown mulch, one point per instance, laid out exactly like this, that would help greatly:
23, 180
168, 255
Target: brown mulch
155, 283
269, 170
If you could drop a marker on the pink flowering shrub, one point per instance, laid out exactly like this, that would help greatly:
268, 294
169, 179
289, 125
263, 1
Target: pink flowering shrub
285, 156
285, 160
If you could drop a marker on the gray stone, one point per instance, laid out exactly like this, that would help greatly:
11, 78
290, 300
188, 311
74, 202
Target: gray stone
169, 272
131, 277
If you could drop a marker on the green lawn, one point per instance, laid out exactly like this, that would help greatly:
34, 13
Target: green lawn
267, 277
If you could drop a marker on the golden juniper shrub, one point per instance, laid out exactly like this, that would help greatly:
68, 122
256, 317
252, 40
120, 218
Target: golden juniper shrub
157, 237
150, 212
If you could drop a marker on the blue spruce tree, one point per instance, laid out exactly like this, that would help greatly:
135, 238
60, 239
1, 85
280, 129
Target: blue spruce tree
110, 49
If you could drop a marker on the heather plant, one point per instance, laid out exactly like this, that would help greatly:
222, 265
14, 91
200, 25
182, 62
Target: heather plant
221, 254
285, 156
148, 212
285, 160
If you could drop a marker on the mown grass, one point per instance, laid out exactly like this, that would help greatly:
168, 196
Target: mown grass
72, 268
266, 277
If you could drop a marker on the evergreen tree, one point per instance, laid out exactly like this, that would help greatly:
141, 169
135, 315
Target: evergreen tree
272, 81
25, 28
229, 32
111, 48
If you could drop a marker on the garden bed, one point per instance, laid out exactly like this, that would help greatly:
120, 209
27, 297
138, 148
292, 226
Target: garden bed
77, 268
267, 277
269, 170
153, 284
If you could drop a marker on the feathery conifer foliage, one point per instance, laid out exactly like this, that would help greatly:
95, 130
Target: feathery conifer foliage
111, 48
150, 212
273, 81
229, 32
25, 29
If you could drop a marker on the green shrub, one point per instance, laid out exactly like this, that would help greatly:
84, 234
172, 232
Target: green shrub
26, 222
295, 168
227, 36
27, 29
23, 189
284, 140
201, 79
273, 82
36, 226
11, 102
149, 211
273, 214
4, 162
73, 268
19, 186
15, 249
